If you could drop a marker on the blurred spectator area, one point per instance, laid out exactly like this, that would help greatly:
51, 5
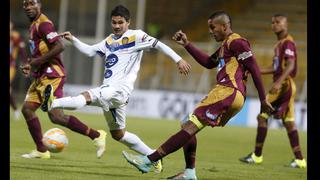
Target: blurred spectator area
250, 18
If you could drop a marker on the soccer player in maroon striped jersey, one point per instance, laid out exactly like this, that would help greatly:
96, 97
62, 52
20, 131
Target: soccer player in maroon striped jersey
17, 48
281, 94
46, 67
232, 59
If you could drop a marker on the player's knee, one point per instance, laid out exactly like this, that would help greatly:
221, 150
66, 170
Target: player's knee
262, 121
117, 135
290, 126
27, 112
56, 118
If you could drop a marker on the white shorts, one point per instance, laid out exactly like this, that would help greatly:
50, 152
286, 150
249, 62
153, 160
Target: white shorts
113, 102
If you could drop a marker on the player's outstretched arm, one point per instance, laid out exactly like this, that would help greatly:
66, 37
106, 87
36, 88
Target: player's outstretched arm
201, 57
56, 48
183, 66
267, 70
89, 50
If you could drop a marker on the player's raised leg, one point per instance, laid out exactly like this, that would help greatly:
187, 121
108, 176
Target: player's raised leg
57, 116
189, 150
143, 163
115, 118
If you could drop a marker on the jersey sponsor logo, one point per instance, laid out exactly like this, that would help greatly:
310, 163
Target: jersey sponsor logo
211, 116
52, 35
108, 73
221, 64
125, 40
244, 55
289, 52
111, 60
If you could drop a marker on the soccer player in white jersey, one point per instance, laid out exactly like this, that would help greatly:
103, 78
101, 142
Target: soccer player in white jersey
122, 51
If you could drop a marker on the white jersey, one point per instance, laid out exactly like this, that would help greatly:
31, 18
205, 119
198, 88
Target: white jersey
123, 56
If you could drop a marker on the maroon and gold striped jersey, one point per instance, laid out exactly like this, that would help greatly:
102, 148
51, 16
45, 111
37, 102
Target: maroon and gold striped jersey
233, 52
42, 36
284, 49
17, 47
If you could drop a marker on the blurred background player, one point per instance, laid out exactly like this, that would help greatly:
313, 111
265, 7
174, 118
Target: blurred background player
281, 94
17, 46
46, 68
232, 59
122, 50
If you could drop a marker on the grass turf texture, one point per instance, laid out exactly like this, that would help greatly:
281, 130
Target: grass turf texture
217, 155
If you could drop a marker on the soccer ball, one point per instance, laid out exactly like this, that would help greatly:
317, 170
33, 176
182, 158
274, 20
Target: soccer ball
55, 139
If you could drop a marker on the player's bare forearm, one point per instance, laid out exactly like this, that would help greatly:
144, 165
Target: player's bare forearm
267, 70
56, 48
277, 85
287, 71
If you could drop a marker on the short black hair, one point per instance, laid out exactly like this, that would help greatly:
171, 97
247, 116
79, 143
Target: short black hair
220, 13
280, 15
122, 11
38, 1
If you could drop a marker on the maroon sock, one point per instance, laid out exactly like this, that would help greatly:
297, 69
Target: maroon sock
174, 143
13, 102
261, 136
294, 142
189, 150
76, 125
36, 133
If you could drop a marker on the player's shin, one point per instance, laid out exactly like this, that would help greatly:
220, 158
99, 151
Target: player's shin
189, 150
76, 125
69, 103
174, 143
135, 143
36, 133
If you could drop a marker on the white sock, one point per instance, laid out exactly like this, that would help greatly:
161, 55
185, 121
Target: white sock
135, 143
69, 103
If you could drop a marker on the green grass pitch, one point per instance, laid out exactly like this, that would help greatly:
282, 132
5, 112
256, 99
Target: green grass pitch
217, 154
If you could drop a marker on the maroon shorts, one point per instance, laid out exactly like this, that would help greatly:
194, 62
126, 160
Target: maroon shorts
36, 89
219, 106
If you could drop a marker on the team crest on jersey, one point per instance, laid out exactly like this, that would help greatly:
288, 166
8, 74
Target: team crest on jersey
125, 40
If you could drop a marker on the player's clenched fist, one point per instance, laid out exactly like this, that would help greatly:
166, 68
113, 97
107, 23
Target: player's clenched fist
66, 35
180, 38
